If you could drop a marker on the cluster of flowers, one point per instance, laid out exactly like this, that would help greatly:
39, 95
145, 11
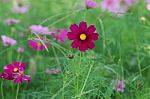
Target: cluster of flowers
115, 6
82, 36
15, 72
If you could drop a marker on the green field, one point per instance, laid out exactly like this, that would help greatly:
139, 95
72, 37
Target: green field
122, 52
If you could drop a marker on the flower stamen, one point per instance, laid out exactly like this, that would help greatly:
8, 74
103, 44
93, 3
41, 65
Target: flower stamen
15, 69
82, 36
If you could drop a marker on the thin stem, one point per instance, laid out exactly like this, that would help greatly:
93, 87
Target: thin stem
17, 91
138, 55
78, 73
85, 81
103, 33
2, 90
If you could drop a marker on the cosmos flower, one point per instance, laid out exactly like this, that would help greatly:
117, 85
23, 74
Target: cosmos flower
119, 85
20, 50
110, 5
148, 4
83, 37
117, 6
15, 72
128, 2
11, 22
53, 71
38, 44
60, 35
38, 29
90, 4
20, 78
21, 9
7, 41
148, 7
15, 68
6, 76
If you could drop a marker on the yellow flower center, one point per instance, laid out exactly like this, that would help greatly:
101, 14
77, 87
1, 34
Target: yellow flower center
82, 36
15, 69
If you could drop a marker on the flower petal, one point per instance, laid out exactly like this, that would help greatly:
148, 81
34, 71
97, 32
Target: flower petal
94, 36
91, 29
75, 44
82, 26
91, 45
71, 36
74, 28
83, 46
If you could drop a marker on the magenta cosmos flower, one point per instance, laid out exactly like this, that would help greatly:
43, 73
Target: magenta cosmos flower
59, 34
7, 41
90, 4
11, 21
119, 85
38, 44
15, 72
38, 29
83, 37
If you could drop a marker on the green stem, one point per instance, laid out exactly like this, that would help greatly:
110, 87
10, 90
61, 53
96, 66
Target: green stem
85, 81
17, 91
2, 90
78, 73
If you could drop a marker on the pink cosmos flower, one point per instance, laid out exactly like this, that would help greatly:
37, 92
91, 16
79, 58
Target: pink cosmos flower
20, 78
11, 21
15, 72
60, 35
110, 5
6, 76
119, 85
15, 68
7, 41
20, 50
128, 2
148, 7
21, 9
83, 37
38, 44
38, 29
90, 3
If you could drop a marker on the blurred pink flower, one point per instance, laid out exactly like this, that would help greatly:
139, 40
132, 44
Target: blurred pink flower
90, 3
53, 71
128, 2
11, 21
7, 41
110, 5
21, 9
148, 7
60, 35
38, 44
38, 29
148, 1
20, 50
117, 6
21, 35
119, 85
